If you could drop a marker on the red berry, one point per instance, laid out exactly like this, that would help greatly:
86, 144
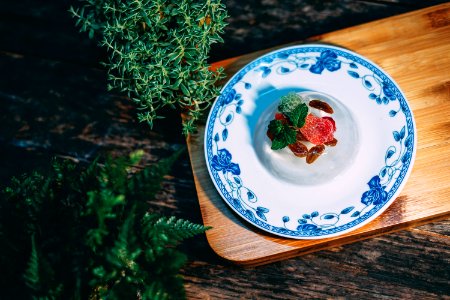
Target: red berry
332, 121
318, 130
281, 117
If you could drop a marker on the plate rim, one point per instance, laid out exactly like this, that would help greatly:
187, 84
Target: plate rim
368, 216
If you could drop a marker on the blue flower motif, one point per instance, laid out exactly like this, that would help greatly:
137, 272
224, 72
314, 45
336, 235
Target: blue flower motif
389, 90
308, 228
222, 162
327, 60
376, 195
228, 97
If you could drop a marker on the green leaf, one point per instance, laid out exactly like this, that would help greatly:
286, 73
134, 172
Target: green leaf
286, 135
31, 275
278, 144
136, 156
298, 115
275, 127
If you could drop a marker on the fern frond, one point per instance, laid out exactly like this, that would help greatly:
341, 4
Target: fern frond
171, 230
89, 238
179, 228
31, 275
123, 255
90, 174
145, 184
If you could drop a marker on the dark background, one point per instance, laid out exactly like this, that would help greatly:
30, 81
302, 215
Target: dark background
45, 29
54, 102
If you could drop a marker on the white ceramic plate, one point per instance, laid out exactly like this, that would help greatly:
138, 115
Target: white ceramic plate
351, 184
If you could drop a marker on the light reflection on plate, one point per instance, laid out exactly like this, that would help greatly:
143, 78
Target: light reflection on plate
343, 190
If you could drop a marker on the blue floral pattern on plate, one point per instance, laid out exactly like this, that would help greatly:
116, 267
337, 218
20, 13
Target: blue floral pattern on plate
318, 60
222, 162
328, 60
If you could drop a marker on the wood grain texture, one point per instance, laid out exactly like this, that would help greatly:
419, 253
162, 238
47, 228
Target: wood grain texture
392, 266
414, 49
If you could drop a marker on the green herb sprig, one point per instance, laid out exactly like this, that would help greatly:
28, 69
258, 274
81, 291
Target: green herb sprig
158, 51
87, 234
284, 131
283, 134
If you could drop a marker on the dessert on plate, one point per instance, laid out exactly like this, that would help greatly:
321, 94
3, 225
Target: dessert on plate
304, 126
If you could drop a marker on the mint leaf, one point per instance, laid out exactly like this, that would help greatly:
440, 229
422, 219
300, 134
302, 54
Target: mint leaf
289, 102
286, 135
275, 127
298, 115
290, 135
278, 144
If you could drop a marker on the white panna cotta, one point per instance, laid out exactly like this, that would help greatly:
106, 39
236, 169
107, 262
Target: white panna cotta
285, 166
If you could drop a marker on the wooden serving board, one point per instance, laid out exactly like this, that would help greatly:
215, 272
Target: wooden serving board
414, 48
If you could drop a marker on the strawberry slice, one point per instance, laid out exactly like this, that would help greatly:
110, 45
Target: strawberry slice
318, 130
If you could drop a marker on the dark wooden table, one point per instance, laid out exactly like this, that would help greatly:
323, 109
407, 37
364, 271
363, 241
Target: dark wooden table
54, 102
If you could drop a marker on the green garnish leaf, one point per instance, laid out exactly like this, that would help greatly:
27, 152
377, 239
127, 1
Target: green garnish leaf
283, 134
298, 115
278, 144
275, 127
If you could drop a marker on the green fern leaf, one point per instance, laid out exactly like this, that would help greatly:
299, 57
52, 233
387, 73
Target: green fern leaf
95, 240
31, 275
169, 231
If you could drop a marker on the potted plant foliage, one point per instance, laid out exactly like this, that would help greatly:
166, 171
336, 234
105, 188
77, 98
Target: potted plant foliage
157, 52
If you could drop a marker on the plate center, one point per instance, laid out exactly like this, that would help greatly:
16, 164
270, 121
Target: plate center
285, 166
